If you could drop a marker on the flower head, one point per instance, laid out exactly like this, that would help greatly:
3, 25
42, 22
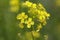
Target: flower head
21, 25
28, 4
14, 8
35, 34
14, 5
41, 18
29, 22
22, 16
38, 27
14, 2
34, 5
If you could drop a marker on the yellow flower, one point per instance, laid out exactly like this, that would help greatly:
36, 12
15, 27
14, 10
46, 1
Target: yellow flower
14, 8
35, 34
38, 27
28, 4
41, 18
22, 21
38, 11
33, 11
21, 25
29, 22
34, 5
48, 15
28, 36
44, 23
46, 37
42, 13
22, 16
14, 2
41, 7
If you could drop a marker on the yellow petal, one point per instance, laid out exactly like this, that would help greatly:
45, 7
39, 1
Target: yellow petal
36, 34
22, 20
34, 5
30, 19
28, 3
23, 13
28, 26
18, 16
44, 23
39, 27
26, 16
32, 23
21, 25
14, 8
14, 2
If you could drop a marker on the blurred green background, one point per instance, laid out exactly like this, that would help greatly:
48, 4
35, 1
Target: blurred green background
9, 27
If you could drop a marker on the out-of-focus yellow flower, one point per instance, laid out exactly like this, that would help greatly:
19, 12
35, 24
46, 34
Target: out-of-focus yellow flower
48, 15
14, 2
22, 21
33, 11
41, 18
34, 5
28, 4
29, 22
38, 27
22, 16
28, 36
21, 25
14, 5
35, 34
40, 6
39, 12
46, 37
44, 23
14, 8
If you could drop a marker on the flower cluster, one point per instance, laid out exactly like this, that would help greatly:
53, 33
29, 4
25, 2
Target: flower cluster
35, 17
14, 5
25, 20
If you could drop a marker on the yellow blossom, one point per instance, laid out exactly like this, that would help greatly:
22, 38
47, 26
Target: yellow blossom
28, 36
44, 23
29, 22
35, 34
22, 21
42, 13
14, 2
22, 16
46, 14
38, 11
38, 27
14, 8
34, 5
33, 11
41, 7
41, 18
46, 37
21, 25
28, 4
